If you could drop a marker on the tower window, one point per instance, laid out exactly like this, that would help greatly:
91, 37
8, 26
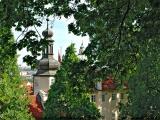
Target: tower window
51, 49
93, 98
113, 96
113, 116
103, 97
122, 96
45, 51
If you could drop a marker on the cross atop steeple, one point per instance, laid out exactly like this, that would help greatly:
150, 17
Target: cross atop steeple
48, 37
47, 22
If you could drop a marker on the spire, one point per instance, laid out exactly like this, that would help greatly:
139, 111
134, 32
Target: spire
47, 22
81, 50
47, 66
47, 34
59, 57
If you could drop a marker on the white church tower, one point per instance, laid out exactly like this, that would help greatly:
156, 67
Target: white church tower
47, 66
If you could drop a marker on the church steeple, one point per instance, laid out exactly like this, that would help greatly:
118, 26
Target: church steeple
81, 49
47, 66
47, 34
81, 54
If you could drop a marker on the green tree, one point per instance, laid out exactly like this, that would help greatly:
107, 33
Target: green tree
117, 30
122, 34
20, 15
144, 86
66, 99
13, 101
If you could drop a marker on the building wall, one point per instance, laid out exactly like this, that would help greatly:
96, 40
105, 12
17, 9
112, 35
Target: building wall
107, 102
41, 83
51, 81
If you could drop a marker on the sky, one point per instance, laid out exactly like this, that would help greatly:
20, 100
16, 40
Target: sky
62, 38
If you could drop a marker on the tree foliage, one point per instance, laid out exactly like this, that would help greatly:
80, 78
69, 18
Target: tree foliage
13, 101
120, 31
144, 86
122, 34
68, 98
124, 25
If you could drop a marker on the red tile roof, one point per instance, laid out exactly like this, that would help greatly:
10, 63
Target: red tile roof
35, 106
108, 84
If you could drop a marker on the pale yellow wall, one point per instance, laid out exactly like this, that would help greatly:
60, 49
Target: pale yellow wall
109, 107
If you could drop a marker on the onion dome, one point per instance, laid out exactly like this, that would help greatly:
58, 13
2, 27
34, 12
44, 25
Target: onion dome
47, 33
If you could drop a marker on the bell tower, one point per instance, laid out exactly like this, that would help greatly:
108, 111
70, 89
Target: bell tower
47, 66
81, 53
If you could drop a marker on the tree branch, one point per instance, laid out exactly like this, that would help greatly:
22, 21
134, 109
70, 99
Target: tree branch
122, 22
37, 32
25, 30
